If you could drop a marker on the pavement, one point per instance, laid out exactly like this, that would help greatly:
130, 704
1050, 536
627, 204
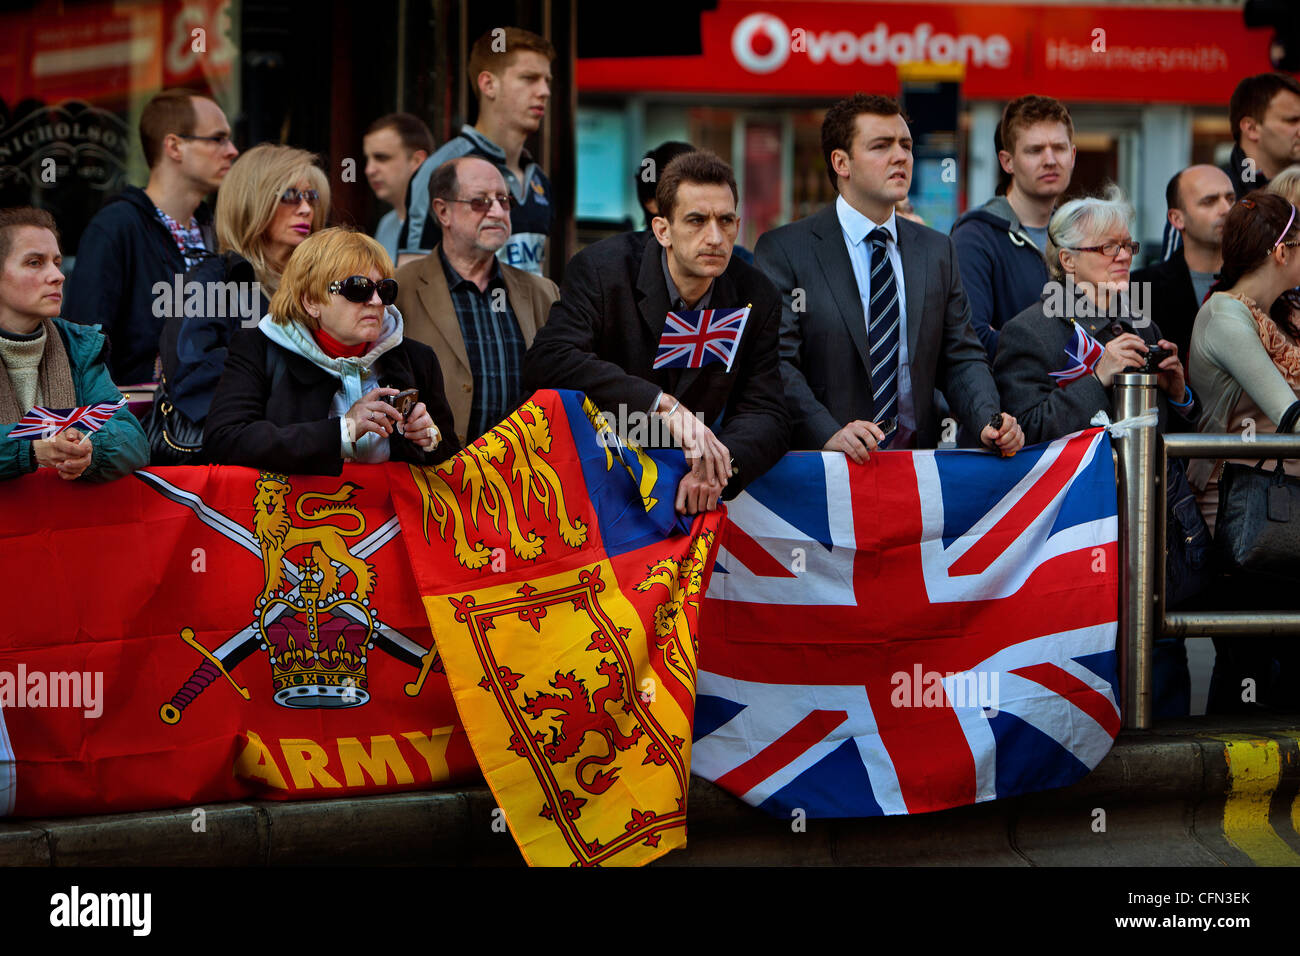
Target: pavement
1188, 793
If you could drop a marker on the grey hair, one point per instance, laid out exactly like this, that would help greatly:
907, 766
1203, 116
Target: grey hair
1080, 222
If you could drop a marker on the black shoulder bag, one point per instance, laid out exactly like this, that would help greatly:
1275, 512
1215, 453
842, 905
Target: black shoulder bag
1258, 530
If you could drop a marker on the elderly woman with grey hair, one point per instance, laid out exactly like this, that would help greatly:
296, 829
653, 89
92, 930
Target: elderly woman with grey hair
1057, 360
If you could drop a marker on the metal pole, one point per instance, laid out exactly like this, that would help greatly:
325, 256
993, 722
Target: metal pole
1139, 482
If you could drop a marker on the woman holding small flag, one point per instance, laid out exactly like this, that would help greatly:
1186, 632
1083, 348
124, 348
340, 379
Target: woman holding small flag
1056, 365
1057, 360
58, 407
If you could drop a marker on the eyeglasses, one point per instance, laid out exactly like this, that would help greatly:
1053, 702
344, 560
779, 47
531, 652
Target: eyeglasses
482, 204
1111, 250
221, 140
292, 197
359, 289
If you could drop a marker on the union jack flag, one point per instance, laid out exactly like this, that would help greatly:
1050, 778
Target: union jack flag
927, 630
48, 422
693, 339
1083, 351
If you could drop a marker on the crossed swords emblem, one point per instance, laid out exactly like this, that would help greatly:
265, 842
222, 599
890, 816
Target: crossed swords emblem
224, 659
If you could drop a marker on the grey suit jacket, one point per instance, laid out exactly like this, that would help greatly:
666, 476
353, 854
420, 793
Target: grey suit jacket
824, 351
429, 317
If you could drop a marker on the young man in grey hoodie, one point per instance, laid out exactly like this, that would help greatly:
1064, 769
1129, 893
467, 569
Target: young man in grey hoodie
1001, 245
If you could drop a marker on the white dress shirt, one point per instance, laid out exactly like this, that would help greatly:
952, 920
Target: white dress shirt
856, 227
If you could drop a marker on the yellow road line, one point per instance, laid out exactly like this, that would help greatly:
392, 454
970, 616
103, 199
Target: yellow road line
1254, 769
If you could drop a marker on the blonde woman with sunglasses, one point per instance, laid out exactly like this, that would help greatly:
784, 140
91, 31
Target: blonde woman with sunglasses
327, 376
272, 199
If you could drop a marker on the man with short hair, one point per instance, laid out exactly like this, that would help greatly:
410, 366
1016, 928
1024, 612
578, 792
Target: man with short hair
477, 313
875, 316
604, 334
1265, 115
1002, 245
395, 145
510, 73
145, 236
1198, 199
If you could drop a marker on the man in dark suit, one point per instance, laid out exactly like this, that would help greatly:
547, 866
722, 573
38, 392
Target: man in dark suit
603, 333
1199, 199
875, 316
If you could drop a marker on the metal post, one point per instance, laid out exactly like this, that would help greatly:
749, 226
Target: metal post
1140, 492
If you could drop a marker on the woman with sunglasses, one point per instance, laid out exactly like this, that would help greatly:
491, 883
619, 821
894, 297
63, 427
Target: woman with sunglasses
1057, 360
272, 199
313, 385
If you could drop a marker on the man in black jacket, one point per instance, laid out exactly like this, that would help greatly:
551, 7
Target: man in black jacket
603, 334
1265, 115
145, 237
1199, 198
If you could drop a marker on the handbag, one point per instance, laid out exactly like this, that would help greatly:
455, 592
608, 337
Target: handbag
1258, 530
174, 439
1189, 565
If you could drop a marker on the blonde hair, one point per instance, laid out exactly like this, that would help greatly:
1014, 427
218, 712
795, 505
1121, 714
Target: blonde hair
1286, 184
250, 195
1081, 220
323, 257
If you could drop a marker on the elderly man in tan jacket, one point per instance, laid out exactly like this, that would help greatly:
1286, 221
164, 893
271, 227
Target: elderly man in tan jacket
477, 313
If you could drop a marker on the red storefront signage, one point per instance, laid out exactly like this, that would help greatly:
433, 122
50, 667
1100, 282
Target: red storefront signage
100, 52
1097, 54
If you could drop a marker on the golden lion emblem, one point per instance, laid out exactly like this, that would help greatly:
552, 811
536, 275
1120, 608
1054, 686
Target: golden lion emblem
527, 434
277, 533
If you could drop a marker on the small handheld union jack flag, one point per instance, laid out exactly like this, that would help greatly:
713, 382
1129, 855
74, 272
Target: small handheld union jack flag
693, 339
1083, 351
48, 422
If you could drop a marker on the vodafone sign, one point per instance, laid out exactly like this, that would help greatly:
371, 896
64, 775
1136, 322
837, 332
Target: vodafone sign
874, 48
1094, 54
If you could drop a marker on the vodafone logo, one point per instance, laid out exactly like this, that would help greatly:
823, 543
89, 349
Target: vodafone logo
761, 43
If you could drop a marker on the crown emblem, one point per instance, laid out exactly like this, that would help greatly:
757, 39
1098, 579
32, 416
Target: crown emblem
317, 644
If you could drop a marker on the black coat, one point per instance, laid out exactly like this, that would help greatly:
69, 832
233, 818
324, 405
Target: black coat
603, 333
272, 409
1032, 347
1172, 304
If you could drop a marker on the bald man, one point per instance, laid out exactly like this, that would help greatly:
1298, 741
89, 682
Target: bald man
1198, 198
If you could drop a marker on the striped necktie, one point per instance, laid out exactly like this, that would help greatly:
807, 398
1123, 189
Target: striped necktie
882, 328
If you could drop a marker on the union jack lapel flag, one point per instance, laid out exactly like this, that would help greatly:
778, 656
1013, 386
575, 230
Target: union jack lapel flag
693, 339
928, 630
1083, 351
48, 422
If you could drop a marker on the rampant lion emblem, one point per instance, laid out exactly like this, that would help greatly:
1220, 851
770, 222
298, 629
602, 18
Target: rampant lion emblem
580, 715
278, 534
527, 434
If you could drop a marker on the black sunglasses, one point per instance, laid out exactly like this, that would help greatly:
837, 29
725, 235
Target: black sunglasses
291, 197
359, 289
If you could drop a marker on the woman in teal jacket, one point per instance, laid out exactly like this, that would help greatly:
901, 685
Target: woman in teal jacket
52, 363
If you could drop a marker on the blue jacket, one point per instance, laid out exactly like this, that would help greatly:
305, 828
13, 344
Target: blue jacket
1002, 270
124, 251
194, 347
118, 448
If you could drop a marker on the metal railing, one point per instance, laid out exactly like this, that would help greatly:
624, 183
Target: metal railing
1142, 461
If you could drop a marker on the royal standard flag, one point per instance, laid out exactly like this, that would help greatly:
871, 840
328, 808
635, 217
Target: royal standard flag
563, 594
